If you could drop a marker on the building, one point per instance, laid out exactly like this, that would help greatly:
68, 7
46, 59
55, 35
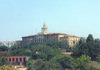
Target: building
44, 36
7, 43
17, 60
18, 42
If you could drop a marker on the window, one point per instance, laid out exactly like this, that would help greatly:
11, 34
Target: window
20, 59
16, 59
9, 59
74, 42
24, 59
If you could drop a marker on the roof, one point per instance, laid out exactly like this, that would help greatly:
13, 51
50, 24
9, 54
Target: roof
29, 36
7, 41
66, 35
67, 53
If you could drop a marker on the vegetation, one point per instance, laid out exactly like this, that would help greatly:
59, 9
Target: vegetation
82, 61
44, 65
3, 61
3, 48
48, 56
7, 68
90, 48
44, 52
66, 61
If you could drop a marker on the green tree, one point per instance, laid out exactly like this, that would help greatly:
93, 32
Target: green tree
90, 38
3, 60
20, 52
44, 52
82, 40
12, 48
3, 48
46, 65
66, 61
82, 61
30, 64
61, 45
89, 48
80, 50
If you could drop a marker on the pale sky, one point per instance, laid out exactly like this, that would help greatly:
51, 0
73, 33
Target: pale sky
25, 17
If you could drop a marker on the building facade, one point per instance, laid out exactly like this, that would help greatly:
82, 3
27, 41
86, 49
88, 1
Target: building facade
7, 43
17, 60
44, 37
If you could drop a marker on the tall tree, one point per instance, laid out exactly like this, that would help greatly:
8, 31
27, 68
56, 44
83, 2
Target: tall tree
90, 38
89, 48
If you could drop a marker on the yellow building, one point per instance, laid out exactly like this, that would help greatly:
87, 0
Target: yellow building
44, 36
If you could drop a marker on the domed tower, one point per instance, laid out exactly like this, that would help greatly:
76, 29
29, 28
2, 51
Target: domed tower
44, 29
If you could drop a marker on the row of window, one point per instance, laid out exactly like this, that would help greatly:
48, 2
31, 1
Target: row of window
20, 59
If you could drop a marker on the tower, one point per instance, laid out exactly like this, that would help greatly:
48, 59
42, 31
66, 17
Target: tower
44, 29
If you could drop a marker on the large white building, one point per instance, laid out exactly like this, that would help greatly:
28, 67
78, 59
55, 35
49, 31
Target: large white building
44, 37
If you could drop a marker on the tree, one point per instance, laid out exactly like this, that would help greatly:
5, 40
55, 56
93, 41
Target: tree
3, 60
12, 48
44, 52
93, 65
29, 64
90, 38
61, 45
66, 61
80, 50
82, 40
20, 52
89, 48
82, 61
3, 48
46, 65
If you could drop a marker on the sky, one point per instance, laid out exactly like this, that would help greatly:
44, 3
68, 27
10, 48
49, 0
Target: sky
20, 18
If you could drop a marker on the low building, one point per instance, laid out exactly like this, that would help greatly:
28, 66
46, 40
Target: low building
17, 60
44, 37
7, 43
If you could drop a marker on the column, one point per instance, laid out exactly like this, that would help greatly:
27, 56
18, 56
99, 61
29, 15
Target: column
11, 60
15, 59
22, 59
18, 59
8, 59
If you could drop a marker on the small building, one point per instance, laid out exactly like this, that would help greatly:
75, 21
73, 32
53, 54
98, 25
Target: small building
7, 43
17, 60
67, 53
